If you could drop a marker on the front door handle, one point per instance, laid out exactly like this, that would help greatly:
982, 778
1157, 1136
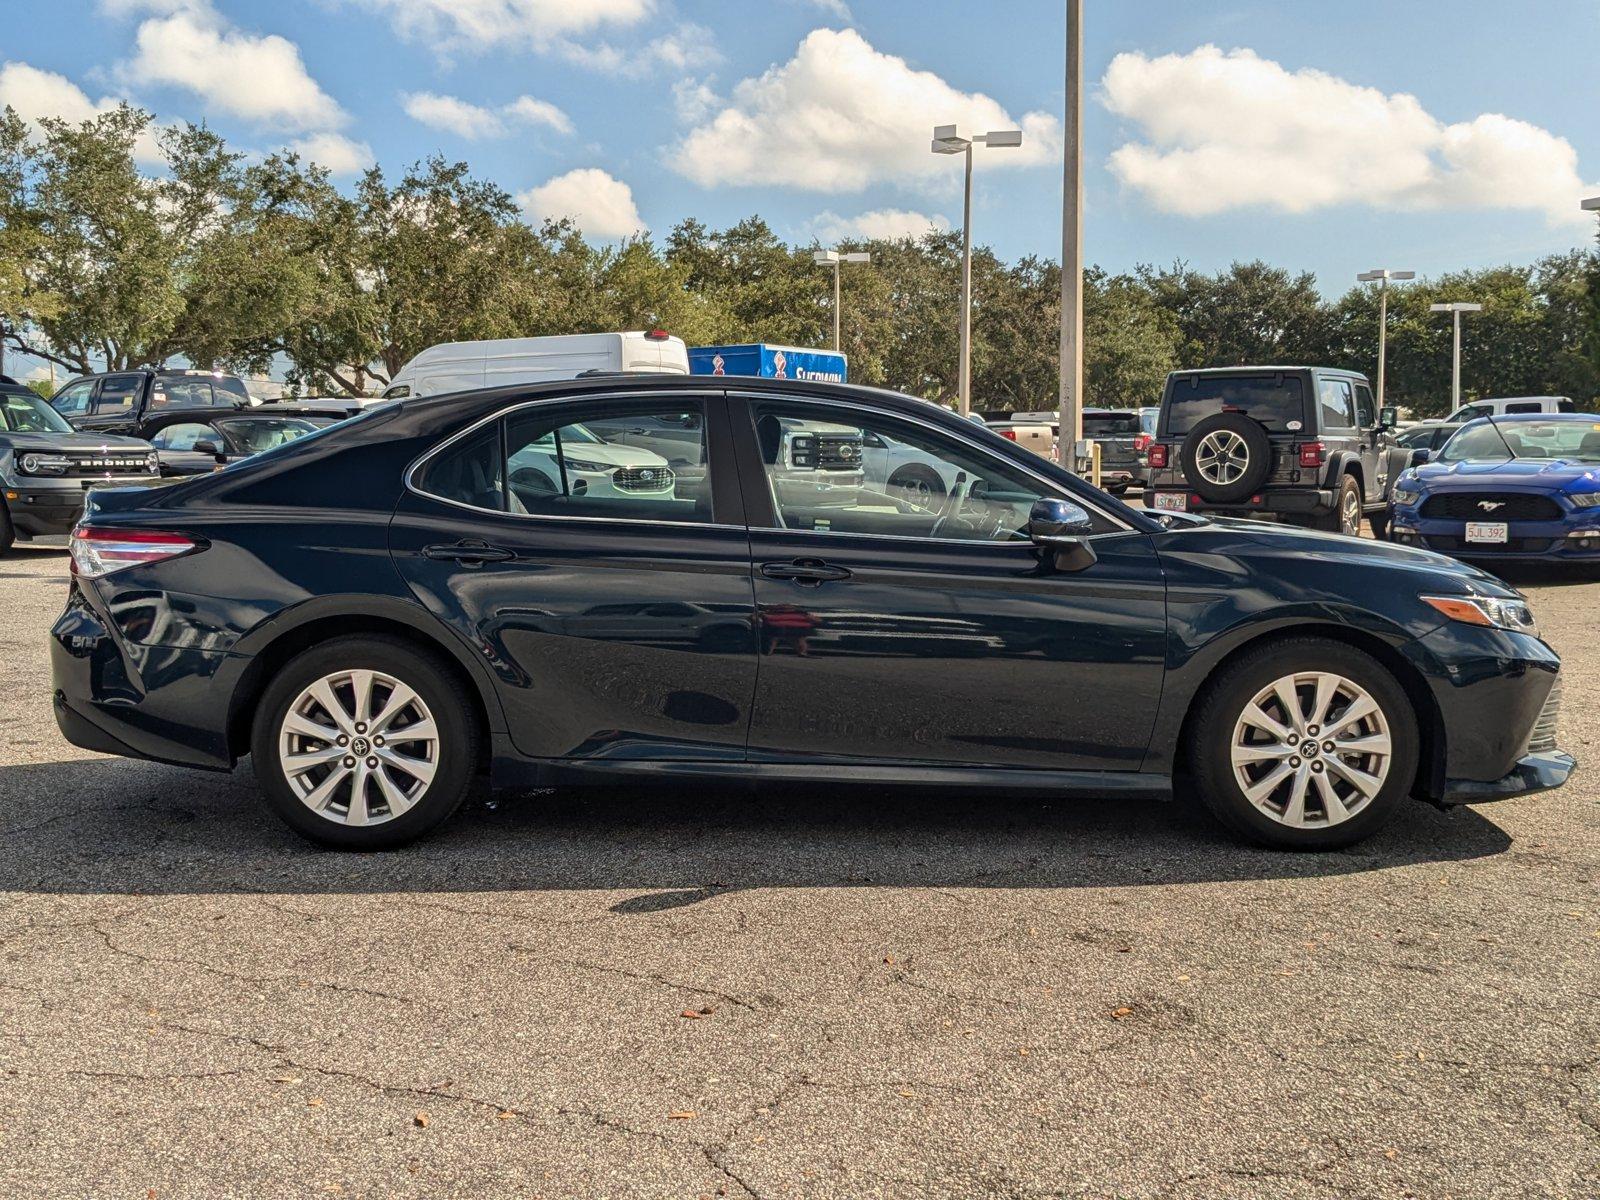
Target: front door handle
472, 554
805, 570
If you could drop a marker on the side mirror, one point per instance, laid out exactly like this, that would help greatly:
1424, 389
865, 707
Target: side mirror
206, 446
1388, 417
1058, 529
1420, 456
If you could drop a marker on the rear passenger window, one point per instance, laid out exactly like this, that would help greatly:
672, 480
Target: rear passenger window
181, 393
623, 462
1525, 406
1338, 407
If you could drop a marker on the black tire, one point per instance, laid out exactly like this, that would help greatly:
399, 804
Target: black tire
921, 485
1380, 525
1253, 443
8, 531
1224, 700
447, 701
1346, 501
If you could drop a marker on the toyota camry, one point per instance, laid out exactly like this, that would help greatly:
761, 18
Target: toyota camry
381, 612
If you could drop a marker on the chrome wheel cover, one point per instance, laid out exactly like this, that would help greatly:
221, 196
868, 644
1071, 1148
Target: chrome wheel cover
358, 747
1311, 750
1222, 457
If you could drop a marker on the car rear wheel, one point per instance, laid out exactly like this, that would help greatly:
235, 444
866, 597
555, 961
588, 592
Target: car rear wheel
1345, 516
1306, 744
8, 532
364, 743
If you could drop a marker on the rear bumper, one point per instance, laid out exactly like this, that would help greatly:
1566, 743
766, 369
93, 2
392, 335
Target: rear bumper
1298, 501
165, 703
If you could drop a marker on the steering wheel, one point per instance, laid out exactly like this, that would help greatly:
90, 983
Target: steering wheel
953, 502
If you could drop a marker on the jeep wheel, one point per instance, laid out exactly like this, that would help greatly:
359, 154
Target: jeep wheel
1380, 525
1226, 458
1345, 516
1305, 744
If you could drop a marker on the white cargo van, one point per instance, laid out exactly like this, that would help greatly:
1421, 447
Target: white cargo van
462, 366
1512, 404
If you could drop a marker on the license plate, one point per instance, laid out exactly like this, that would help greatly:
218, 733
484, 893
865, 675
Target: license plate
1488, 532
1174, 501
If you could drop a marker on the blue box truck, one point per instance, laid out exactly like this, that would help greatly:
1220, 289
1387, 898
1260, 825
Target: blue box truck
770, 362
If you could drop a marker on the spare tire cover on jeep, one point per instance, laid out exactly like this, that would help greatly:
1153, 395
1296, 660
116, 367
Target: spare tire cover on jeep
1226, 458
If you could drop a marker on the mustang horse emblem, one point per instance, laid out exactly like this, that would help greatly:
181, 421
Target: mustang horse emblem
1491, 505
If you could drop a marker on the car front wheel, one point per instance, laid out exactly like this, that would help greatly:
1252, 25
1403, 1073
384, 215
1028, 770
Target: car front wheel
1306, 744
364, 743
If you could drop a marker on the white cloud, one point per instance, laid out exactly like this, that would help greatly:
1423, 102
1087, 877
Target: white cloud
1228, 130
481, 24
599, 204
259, 77
35, 94
694, 100
341, 155
840, 115
474, 121
836, 9
538, 112
889, 224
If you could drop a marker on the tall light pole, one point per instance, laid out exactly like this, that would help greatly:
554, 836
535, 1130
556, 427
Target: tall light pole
947, 141
836, 259
1381, 277
1455, 309
1592, 204
1070, 428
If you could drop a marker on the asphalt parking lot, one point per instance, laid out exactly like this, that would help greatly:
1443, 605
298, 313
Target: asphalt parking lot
813, 993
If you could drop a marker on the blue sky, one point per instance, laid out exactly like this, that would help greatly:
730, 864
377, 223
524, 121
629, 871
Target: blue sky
1294, 140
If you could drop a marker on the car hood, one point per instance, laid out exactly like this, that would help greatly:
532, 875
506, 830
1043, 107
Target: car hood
1294, 544
51, 442
1515, 472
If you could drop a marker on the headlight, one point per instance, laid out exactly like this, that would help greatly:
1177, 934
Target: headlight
1492, 612
1584, 499
43, 464
583, 464
1404, 494
152, 463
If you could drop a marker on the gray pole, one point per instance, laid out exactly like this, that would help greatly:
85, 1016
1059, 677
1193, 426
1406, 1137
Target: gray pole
964, 371
837, 267
1455, 365
1071, 426
1383, 332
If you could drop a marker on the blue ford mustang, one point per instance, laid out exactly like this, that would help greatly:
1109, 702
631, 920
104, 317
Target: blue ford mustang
1523, 486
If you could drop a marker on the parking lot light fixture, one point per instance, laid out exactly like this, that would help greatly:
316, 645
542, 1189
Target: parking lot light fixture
1592, 204
835, 259
1381, 277
947, 139
1455, 309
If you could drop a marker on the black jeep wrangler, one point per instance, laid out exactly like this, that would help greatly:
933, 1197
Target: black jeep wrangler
1306, 444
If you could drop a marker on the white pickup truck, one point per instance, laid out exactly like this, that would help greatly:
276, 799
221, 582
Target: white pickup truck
1034, 431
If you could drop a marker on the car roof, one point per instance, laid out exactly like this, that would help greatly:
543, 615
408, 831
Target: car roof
1542, 417
1271, 370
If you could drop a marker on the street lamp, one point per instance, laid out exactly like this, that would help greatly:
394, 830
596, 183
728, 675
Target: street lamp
1455, 308
947, 141
1592, 204
834, 259
1381, 277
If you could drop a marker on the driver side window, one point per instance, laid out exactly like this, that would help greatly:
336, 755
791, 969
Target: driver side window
842, 470
183, 437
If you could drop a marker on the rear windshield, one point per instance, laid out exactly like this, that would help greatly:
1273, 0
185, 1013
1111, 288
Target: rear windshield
1276, 401
1117, 424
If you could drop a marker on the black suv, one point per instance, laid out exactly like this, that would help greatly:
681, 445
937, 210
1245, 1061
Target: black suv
122, 401
1307, 444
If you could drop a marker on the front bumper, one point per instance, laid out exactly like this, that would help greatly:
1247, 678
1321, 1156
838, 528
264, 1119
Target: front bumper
1574, 540
42, 509
1532, 773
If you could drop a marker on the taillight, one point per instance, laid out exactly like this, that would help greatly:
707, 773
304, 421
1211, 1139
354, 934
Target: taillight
657, 335
1311, 454
1141, 443
1158, 454
1009, 433
97, 551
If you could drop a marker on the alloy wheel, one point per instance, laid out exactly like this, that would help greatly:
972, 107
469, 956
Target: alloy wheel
358, 747
1311, 749
1350, 515
1222, 456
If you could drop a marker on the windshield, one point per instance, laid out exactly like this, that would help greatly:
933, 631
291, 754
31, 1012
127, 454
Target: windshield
1578, 441
30, 414
252, 435
1276, 401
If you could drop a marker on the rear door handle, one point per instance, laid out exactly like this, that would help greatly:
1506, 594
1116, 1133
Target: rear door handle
805, 570
468, 553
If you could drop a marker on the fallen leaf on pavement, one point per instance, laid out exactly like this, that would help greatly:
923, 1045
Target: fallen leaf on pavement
1118, 1013
420, 1120
314, 1102
684, 1115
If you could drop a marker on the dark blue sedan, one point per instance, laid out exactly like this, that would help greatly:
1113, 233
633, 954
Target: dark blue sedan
1525, 487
